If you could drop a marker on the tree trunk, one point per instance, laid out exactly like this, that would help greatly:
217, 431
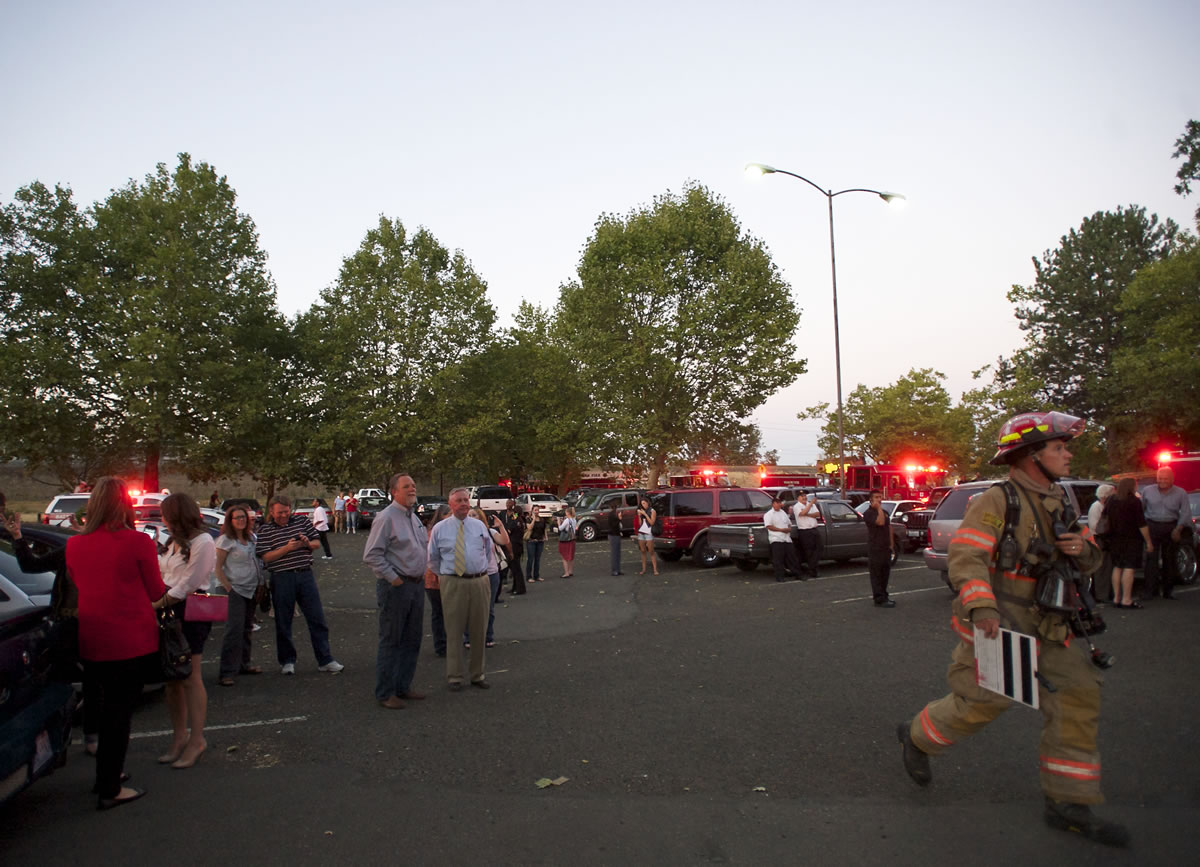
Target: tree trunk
150, 476
657, 466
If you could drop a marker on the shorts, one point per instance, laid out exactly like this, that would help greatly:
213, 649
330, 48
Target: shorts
195, 632
645, 536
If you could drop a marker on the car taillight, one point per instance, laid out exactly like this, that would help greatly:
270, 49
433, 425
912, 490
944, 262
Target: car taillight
45, 519
750, 539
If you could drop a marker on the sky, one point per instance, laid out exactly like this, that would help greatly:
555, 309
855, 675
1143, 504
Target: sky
507, 129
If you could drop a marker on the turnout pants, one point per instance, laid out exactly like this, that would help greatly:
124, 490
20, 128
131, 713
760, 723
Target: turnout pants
1070, 757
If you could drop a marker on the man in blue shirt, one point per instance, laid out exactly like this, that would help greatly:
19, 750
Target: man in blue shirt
398, 552
458, 549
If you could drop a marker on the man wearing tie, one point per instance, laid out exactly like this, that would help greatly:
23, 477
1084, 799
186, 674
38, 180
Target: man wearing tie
458, 554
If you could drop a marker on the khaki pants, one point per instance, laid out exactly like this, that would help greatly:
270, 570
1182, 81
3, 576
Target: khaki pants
465, 605
1070, 757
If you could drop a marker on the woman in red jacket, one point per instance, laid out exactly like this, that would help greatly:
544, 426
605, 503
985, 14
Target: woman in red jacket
115, 569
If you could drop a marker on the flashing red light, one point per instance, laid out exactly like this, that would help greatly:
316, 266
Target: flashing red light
911, 468
134, 492
708, 472
1165, 457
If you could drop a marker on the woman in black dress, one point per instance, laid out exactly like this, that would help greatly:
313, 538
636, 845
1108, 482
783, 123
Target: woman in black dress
1127, 532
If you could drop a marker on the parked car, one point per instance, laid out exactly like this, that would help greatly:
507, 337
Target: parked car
212, 517
949, 514
35, 712
304, 506
491, 498
251, 504
549, 503
371, 492
686, 514
426, 506
592, 512
34, 585
60, 509
843, 537
369, 507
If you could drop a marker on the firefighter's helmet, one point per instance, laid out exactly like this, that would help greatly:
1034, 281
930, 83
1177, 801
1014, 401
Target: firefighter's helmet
1030, 428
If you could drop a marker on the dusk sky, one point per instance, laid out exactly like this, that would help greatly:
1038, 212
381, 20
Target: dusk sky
508, 128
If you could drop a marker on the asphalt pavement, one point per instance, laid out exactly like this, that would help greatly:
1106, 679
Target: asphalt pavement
696, 717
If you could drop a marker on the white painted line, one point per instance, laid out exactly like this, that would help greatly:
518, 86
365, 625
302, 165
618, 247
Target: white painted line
897, 593
840, 575
243, 725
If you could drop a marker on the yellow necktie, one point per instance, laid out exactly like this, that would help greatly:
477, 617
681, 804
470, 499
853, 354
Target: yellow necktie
460, 552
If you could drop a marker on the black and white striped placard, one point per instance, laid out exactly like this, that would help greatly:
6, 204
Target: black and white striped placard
1008, 665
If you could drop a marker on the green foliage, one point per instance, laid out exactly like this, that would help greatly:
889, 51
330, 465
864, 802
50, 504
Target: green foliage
146, 324
683, 325
1187, 147
1158, 367
1071, 313
913, 416
379, 350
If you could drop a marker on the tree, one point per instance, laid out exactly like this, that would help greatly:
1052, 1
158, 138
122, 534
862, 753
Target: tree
682, 323
50, 397
379, 342
1158, 366
1070, 315
913, 416
160, 305
1187, 147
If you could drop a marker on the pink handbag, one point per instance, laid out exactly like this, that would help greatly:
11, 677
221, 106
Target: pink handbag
206, 607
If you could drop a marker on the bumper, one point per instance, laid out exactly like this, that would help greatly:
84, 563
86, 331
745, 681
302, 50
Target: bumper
935, 560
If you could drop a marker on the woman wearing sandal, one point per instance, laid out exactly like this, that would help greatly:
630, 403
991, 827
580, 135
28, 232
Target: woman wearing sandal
186, 567
1127, 532
115, 571
237, 572
645, 534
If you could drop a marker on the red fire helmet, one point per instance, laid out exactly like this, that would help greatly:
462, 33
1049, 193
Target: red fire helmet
1030, 428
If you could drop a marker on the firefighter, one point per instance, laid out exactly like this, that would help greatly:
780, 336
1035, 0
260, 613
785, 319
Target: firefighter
1034, 447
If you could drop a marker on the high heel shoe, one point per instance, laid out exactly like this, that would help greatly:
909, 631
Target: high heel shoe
170, 758
181, 764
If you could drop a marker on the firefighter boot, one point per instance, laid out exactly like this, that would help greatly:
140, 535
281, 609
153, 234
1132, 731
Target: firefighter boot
916, 762
1080, 819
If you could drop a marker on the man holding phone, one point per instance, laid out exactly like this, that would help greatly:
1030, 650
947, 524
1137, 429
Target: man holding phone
285, 545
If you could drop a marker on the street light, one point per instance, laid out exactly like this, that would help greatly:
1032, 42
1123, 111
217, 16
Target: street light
757, 170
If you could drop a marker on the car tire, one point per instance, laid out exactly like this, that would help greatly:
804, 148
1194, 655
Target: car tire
703, 554
746, 565
587, 532
1185, 562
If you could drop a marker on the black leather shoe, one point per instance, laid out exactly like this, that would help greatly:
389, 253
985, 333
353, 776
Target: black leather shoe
124, 780
886, 603
456, 687
109, 803
1080, 819
916, 762
481, 684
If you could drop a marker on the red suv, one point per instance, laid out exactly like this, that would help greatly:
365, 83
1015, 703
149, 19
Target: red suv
686, 514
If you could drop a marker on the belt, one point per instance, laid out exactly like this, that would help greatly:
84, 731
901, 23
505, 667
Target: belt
472, 575
289, 571
411, 579
1168, 521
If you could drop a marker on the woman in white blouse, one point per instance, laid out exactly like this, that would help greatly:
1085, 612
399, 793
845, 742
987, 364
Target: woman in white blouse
187, 566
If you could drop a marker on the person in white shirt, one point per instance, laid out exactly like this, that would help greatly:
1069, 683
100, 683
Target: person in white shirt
808, 537
779, 534
320, 519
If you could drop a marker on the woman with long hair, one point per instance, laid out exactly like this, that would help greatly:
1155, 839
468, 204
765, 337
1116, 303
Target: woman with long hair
646, 515
433, 592
237, 571
187, 567
566, 527
1127, 532
495, 555
535, 541
116, 573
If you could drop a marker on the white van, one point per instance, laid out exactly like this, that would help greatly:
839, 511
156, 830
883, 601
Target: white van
491, 498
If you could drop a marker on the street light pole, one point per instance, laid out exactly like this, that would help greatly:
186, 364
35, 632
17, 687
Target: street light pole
758, 170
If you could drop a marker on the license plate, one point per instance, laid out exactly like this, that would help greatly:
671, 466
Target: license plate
42, 752
916, 534
723, 552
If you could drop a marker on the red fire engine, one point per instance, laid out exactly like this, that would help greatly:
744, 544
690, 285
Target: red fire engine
1186, 466
700, 477
904, 481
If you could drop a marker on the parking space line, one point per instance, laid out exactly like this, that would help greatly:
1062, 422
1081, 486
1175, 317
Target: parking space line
941, 587
241, 725
843, 575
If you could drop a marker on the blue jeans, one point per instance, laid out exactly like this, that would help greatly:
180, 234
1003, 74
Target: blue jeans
287, 590
533, 558
614, 552
401, 625
437, 620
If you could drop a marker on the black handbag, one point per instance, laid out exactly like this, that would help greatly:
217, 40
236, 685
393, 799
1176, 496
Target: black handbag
174, 654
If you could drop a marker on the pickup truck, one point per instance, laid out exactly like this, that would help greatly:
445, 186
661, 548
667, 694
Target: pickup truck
844, 537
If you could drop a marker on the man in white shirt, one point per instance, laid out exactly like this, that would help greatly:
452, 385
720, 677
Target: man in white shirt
808, 536
779, 534
320, 519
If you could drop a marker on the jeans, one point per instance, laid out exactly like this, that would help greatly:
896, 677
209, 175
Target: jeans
352, 522
533, 551
401, 624
235, 646
120, 683
289, 589
437, 620
614, 552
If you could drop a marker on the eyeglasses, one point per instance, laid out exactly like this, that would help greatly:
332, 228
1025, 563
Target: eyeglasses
240, 518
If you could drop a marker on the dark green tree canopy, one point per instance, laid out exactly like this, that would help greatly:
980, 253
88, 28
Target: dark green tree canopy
683, 323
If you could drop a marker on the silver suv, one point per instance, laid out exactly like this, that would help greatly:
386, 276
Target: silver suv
950, 511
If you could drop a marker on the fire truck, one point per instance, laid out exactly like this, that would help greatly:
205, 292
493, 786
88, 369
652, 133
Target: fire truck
904, 481
699, 477
1186, 466
768, 479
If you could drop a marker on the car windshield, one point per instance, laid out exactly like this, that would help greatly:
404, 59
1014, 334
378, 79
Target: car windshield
70, 504
954, 505
588, 503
